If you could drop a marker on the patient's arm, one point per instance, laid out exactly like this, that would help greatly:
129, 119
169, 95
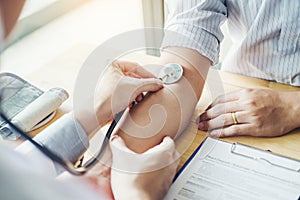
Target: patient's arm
172, 106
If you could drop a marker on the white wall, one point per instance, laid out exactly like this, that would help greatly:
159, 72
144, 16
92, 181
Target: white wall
92, 23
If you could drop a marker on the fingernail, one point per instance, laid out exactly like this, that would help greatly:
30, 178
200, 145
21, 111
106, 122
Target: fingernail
132, 104
198, 120
114, 137
203, 117
139, 98
214, 134
201, 126
158, 81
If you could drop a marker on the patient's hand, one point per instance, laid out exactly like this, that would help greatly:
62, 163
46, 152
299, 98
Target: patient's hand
259, 112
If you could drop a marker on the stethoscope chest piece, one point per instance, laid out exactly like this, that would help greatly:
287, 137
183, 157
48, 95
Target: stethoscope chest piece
170, 73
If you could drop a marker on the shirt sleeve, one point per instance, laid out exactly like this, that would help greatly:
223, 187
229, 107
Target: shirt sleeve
196, 25
65, 137
23, 178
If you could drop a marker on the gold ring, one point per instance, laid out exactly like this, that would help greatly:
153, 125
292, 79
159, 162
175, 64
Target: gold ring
235, 121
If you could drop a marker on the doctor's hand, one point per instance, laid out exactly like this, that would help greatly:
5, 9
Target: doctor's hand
255, 112
121, 84
142, 176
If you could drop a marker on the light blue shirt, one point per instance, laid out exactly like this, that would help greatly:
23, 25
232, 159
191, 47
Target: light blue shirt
31, 175
65, 137
265, 35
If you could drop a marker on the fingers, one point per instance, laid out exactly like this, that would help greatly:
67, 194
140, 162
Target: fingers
132, 69
166, 145
223, 104
129, 89
136, 80
131, 169
118, 143
234, 130
245, 112
219, 113
155, 158
223, 121
139, 98
138, 86
224, 126
231, 96
125, 66
140, 72
144, 85
219, 109
218, 122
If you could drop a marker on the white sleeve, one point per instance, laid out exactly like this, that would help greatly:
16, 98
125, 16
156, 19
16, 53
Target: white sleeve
22, 178
65, 137
196, 25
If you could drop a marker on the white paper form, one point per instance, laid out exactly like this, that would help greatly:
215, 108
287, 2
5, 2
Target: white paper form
223, 171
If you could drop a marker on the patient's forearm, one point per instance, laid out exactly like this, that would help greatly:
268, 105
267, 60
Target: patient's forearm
170, 108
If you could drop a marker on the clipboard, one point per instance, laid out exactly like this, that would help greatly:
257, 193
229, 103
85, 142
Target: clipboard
268, 168
257, 158
188, 160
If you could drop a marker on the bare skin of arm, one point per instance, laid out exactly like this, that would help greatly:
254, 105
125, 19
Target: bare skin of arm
175, 103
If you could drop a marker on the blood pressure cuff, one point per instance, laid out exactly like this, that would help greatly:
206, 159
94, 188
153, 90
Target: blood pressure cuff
25, 105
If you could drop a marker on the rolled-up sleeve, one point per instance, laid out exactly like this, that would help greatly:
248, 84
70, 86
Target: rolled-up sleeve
196, 25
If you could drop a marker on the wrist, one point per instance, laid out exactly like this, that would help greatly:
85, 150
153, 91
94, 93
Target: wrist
104, 113
291, 100
95, 117
87, 122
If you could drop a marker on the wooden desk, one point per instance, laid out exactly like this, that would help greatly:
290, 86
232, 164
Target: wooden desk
62, 72
287, 145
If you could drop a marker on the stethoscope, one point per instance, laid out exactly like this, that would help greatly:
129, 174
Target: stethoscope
169, 74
